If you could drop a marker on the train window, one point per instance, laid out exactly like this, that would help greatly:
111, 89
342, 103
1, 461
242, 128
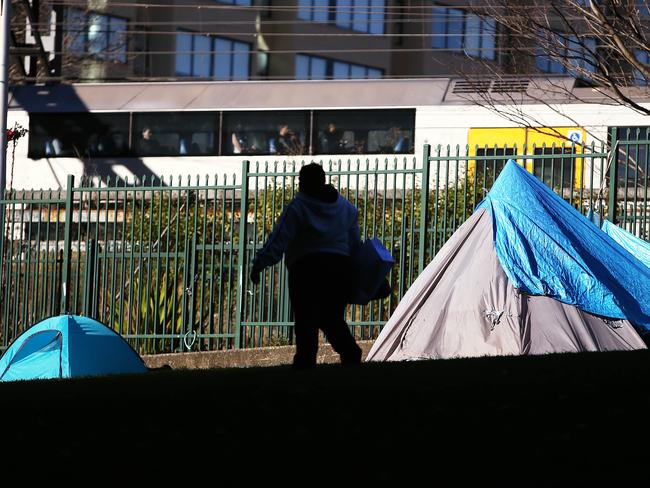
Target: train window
555, 172
364, 131
175, 134
78, 135
265, 133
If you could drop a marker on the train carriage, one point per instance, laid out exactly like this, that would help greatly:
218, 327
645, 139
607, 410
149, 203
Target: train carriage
203, 128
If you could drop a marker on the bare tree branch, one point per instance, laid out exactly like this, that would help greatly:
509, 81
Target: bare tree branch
603, 44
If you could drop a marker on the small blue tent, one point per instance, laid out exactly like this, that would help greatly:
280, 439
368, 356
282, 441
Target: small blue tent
68, 346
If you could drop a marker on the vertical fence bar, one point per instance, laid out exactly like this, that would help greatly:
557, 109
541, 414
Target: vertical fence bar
67, 254
643, 232
241, 253
28, 266
613, 178
424, 207
8, 274
89, 279
18, 262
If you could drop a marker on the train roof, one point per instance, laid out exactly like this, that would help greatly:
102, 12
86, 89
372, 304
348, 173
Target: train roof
273, 95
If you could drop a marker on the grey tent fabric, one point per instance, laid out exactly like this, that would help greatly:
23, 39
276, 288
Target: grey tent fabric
464, 305
572, 329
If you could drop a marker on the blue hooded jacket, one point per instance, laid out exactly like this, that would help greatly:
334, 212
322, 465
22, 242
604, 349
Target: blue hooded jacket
310, 224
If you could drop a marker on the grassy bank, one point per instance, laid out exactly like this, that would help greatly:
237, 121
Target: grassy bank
556, 420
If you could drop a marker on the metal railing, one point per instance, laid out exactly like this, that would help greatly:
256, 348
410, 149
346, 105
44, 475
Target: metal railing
166, 263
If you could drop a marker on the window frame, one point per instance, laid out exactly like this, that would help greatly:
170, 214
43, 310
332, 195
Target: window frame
211, 54
458, 40
103, 54
567, 41
341, 13
330, 65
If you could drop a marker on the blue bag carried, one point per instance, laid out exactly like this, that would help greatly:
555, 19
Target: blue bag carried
370, 265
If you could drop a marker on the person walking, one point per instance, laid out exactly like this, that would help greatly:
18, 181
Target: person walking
317, 233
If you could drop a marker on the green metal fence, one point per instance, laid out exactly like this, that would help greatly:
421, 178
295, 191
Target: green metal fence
165, 262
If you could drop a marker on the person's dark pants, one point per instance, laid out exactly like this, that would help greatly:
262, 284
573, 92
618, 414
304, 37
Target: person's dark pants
318, 285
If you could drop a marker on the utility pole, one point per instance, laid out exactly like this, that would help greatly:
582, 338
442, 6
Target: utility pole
4, 92
5, 10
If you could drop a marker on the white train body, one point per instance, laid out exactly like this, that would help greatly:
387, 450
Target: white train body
444, 112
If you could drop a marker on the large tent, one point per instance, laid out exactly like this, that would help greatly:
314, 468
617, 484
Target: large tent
525, 274
68, 346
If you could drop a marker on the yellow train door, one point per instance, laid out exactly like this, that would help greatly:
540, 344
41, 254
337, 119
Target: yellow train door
555, 148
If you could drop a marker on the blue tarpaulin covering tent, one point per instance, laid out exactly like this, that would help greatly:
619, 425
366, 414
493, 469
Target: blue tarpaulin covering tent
550, 249
68, 346
639, 248
525, 274
636, 246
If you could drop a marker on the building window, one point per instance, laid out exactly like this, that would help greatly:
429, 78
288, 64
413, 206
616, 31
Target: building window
458, 30
313, 10
203, 56
245, 3
359, 15
317, 68
570, 55
102, 36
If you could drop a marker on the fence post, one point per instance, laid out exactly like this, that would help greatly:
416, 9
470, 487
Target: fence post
89, 286
192, 295
67, 251
613, 179
424, 207
242, 251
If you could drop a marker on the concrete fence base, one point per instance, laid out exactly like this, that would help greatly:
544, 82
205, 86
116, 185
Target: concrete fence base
242, 358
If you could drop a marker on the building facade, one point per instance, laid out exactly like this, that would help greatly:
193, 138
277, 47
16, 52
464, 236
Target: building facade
250, 40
